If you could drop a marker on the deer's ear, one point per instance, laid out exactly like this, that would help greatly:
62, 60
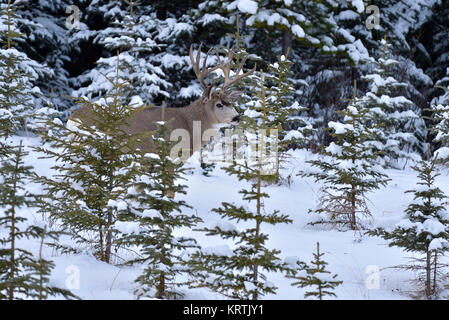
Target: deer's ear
208, 93
233, 95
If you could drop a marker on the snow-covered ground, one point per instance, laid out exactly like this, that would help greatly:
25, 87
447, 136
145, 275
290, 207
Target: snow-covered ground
353, 256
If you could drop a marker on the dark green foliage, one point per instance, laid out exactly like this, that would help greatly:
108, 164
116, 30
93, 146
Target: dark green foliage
425, 228
90, 179
22, 275
153, 209
239, 273
402, 131
17, 74
315, 275
348, 167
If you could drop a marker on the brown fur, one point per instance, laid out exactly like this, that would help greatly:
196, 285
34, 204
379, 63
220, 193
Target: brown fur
204, 110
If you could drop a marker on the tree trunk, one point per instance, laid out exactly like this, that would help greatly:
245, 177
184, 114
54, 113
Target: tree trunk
101, 244
13, 234
286, 42
107, 255
428, 274
435, 266
353, 209
160, 293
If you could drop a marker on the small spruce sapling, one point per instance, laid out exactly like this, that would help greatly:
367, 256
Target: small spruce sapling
424, 230
240, 273
316, 275
348, 167
22, 275
17, 74
91, 161
157, 215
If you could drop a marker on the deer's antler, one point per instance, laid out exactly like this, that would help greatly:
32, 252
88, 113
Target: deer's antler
196, 65
226, 68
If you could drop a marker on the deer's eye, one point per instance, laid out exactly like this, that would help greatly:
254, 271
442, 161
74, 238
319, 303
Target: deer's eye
219, 105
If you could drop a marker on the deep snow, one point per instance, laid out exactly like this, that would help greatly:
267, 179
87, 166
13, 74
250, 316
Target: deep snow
351, 255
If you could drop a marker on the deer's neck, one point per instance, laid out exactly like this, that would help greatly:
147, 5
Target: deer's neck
194, 112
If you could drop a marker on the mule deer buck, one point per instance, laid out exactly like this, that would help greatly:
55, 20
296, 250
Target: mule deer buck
212, 110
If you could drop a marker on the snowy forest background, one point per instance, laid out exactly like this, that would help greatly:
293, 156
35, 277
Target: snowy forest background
363, 108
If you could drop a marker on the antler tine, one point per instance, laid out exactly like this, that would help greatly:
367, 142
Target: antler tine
242, 63
224, 67
227, 68
196, 65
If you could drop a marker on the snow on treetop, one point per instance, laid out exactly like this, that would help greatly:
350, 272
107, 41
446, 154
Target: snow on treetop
244, 6
193, 90
169, 60
347, 15
358, 5
334, 149
438, 243
429, 226
293, 134
225, 226
127, 227
210, 18
136, 102
150, 213
298, 31
433, 227
222, 250
153, 156
341, 128
120, 205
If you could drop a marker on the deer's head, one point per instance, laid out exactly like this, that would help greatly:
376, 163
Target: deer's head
218, 104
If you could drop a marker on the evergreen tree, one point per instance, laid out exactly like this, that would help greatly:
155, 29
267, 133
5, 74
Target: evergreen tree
17, 74
157, 215
133, 36
284, 113
348, 168
316, 275
153, 44
22, 275
238, 273
89, 186
425, 229
440, 118
311, 23
53, 41
403, 131
441, 114
437, 53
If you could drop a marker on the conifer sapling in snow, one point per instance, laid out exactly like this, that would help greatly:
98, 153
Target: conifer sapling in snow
240, 272
315, 275
349, 169
17, 74
424, 229
401, 129
440, 115
91, 162
22, 275
156, 215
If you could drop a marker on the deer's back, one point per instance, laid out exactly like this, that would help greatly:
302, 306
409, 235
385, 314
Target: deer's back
142, 121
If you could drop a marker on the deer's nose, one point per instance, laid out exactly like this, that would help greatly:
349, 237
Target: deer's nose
236, 119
